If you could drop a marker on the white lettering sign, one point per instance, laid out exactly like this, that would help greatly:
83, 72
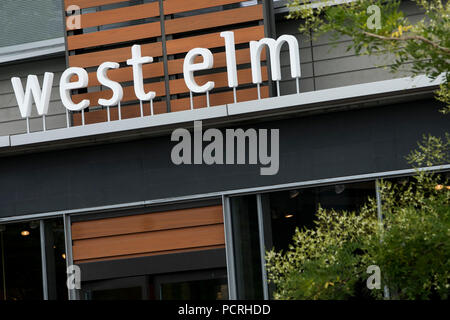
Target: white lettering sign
81, 78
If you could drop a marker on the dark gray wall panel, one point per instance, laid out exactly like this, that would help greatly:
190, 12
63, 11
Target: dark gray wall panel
313, 147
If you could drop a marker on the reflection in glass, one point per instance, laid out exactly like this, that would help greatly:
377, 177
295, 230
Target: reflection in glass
55, 259
244, 217
190, 285
22, 249
21, 268
297, 208
133, 293
211, 289
126, 288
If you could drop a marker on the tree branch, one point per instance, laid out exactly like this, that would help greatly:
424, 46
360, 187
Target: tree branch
416, 37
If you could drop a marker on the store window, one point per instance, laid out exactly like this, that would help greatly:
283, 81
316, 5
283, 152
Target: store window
55, 255
209, 285
32, 261
191, 285
280, 214
297, 208
21, 267
247, 250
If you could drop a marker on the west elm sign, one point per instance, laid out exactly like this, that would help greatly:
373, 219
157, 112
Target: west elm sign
42, 95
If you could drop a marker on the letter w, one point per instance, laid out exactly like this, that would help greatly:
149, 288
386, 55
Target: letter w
41, 98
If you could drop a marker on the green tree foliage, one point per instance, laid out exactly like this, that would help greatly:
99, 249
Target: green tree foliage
323, 263
411, 245
423, 46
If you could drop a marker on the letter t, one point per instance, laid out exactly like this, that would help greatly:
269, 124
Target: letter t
137, 61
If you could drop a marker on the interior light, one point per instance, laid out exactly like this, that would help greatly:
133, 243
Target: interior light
63, 256
288, 215
448, 187
25, 233
439, 187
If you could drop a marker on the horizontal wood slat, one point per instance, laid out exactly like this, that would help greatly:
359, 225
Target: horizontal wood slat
156, 69
213, 40
114, 55
150, 70
147, 222
131, 33
127, 112
133, 111
138, 255
177, 6
128, 93
214, 19
242, 57
220, 79
156, 241
220, 98
94, 19
115, 45
83, 4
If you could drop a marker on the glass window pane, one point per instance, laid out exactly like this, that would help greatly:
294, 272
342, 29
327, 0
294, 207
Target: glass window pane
211, 289
133, 293
21, 267
56, 259
244, 217
297, 208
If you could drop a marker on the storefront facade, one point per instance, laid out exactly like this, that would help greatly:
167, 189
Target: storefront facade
104, 193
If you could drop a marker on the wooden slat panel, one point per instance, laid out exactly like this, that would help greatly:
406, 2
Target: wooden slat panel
128, 93
94, 19
131, 111
149, 242
213, 40
242, 56
142, 31
114, 55
147, 222
138, 255
125, 35
214, 19
217, 99
91, 3
220, 79
177, 6
150, 70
